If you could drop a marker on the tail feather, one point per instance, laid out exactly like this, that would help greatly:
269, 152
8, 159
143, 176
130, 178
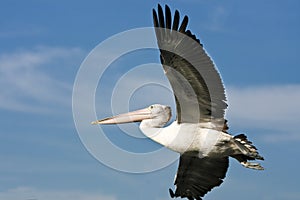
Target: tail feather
248, 152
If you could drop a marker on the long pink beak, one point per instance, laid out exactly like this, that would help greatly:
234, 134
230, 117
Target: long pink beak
135, 116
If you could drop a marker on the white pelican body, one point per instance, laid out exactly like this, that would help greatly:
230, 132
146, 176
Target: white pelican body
199, 133
187, 137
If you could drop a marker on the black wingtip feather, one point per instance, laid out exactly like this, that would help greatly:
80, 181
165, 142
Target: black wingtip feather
161, 16
164, 20
184, 24
168, 17
176, 20
172, 195
155, 20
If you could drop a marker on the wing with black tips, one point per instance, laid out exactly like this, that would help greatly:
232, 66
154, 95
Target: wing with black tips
196, 83
197, 176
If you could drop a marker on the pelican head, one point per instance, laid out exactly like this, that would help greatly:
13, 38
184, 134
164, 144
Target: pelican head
155, 115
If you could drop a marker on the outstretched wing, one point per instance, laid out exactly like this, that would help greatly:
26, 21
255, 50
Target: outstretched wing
197, 85
197, 176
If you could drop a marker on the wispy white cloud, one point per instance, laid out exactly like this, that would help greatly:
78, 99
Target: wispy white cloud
274, 103
17, 32
274, 108
217, 18
28, 193
26, 80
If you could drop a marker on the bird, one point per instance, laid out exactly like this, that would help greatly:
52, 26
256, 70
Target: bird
200, 131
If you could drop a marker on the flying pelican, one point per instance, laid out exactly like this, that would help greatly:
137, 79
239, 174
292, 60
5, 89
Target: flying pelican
199, 132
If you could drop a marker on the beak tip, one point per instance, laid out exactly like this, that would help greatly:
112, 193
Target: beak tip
94, 122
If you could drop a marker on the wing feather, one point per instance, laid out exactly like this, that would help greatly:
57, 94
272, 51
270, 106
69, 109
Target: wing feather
197, 176
168, 18
176, 20
196, 83
183, 24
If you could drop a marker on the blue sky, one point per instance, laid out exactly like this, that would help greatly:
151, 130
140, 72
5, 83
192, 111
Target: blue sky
255, 45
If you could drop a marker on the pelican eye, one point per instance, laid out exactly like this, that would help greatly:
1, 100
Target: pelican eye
151, 107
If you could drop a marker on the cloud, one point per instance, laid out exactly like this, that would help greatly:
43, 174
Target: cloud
27, 80
274, 107
28, 193
20, 32
274, 103
217, 19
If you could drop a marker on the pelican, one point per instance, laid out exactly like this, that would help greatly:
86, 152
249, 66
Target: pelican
200, 132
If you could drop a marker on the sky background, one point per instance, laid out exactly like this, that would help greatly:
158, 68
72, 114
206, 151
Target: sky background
255, 45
